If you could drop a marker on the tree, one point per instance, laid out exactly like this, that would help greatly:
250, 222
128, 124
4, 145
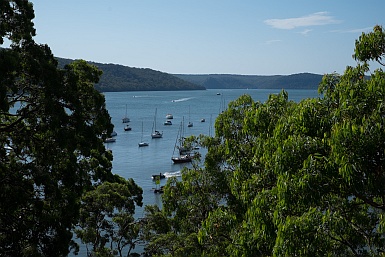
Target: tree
106, 216
51, 151
290, 179
371, 46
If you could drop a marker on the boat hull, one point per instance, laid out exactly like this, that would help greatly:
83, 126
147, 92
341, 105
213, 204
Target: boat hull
182, 159
157, 134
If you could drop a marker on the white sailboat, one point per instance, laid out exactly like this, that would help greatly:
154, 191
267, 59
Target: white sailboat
142, 143
190, 124
182, 155
155, 133
125, 119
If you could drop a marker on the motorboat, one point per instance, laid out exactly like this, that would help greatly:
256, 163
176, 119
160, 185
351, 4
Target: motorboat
158, 176
169, 116
167, 122
141, 144
127, 128
109, 140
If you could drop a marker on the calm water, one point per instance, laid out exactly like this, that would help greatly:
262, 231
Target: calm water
139, 163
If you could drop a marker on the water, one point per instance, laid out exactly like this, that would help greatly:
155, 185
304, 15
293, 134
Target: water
139, 163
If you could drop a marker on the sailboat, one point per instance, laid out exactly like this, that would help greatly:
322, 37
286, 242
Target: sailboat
125, 119
142, 143
181, 157
155, 133
190, 124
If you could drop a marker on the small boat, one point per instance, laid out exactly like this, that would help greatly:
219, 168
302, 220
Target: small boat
113, 134
125, 119
155, 133
182, 158
167, 122
218, 93
127, 128
158, 190
169, 116
142, 143
203, 120
190, 124
109, 140
158, 176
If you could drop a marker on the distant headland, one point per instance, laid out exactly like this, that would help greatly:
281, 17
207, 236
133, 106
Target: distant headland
117, 78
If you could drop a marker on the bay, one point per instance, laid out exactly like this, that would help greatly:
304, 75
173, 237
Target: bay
140, 163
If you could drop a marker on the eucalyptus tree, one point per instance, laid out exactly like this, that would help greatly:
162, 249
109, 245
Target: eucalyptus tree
289, 179
106, 218
51, 151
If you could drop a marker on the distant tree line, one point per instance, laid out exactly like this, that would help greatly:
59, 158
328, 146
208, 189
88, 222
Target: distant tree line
122, 78
229, 81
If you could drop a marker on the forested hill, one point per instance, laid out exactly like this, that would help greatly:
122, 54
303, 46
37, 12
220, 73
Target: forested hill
216, 81
122, 78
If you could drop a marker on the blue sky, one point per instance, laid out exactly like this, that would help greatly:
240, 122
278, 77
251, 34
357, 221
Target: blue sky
211, 36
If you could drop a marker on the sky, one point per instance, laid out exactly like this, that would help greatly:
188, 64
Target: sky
247, 37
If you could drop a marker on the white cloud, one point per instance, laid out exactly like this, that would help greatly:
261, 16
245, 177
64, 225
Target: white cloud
315, 19
367, 29
269, 42
305, 32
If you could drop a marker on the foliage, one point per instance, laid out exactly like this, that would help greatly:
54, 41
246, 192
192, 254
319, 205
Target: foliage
51, 151
371, 46
106, 216
287, 179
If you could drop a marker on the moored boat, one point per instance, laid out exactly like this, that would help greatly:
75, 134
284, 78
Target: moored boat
156, 133
183, 154
109, 140
125, 119
142, 143
182, 158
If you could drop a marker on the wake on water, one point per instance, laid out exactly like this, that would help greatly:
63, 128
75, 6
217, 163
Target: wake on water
182, 99
172, 174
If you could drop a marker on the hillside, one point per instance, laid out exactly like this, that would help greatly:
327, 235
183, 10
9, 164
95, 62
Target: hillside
216, 81
122, 78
